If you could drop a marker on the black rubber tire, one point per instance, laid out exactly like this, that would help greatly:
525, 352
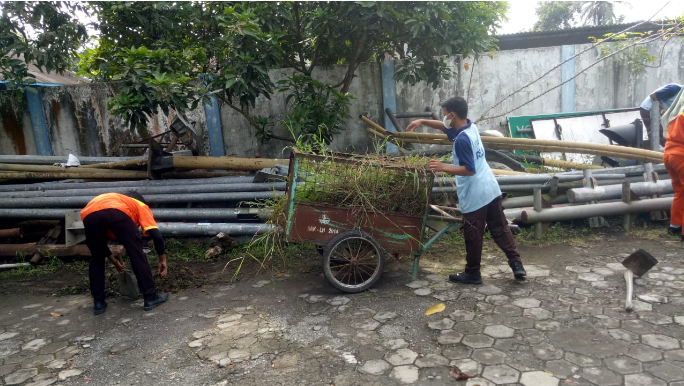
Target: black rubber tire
340, 252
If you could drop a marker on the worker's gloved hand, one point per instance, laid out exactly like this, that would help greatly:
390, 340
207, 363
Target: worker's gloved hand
162, 267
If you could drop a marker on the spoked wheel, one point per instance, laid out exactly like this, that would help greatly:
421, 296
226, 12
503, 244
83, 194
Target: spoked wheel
353, 261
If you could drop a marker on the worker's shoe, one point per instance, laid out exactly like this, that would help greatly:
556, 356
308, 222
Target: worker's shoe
466, 278
674, 230
155, 301
99, 307
518, 270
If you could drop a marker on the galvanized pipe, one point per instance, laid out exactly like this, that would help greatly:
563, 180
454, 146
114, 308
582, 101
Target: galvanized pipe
164, 214
147, 183
174, 189
55, 159
594, 210
614, 192
528, 201
212, 229
81, 201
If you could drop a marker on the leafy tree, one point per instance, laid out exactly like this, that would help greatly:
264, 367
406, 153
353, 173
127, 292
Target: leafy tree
598, 12
45, 33
555, 15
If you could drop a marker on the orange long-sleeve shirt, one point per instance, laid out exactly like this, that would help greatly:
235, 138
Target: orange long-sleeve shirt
140, 213
675, 136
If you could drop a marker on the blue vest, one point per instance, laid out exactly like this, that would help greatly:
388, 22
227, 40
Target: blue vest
481, 188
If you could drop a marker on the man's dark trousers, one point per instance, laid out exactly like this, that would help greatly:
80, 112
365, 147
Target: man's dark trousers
491, 215
96, 225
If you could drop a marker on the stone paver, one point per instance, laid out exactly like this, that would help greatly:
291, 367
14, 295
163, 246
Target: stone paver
405, 374
643, 380
660, 341
601, 376
375, 367
499, 331
538, 378
402, 356
624, 365
477, 341
501, 374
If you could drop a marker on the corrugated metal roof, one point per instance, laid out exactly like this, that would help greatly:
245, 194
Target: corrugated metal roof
53, 78
568, 36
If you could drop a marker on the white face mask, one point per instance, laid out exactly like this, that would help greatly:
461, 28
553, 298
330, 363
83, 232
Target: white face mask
447, 122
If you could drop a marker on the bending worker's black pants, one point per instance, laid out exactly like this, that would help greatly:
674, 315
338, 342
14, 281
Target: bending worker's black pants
491, 215
96, 225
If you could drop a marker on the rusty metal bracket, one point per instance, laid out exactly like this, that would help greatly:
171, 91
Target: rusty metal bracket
158, 161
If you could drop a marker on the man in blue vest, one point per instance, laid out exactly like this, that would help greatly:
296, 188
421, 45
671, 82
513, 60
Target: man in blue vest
479, 196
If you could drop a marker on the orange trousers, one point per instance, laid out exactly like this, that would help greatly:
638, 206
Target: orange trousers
674, 163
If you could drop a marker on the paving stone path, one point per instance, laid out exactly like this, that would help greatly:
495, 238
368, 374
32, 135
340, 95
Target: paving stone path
562, 326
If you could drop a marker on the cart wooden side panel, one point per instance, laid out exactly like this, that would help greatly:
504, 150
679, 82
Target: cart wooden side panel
317, 224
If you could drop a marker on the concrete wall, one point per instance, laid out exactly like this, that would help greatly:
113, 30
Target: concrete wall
78, 120
16, 132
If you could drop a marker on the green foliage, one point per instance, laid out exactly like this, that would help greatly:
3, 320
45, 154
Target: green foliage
555, 15
231, 47
45, 33
314, 108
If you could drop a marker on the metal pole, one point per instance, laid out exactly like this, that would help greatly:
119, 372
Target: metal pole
149, 183
207, 229
165, 214
81, 201
55, 159
528, 201
592, 210
178, 189
627, 199
614, 192
655, 126
538, 227
12, 232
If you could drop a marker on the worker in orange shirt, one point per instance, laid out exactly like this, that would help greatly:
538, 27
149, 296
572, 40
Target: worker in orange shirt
674, 160
119, 216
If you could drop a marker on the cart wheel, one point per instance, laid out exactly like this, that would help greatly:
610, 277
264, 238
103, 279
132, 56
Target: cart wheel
353, 261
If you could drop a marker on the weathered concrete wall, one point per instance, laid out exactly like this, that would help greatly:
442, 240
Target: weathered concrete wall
16, 132
239, 137
79, 122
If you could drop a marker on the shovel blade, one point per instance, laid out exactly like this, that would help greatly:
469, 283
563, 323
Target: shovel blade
639, 262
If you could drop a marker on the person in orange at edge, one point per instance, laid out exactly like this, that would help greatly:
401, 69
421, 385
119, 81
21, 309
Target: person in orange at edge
118, 216
673, 158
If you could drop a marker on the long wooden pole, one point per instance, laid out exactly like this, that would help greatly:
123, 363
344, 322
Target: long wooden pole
129, 164
531, 144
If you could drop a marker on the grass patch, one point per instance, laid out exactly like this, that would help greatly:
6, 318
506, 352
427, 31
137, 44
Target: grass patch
570, 233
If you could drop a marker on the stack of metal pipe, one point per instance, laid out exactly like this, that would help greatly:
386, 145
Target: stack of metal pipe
189, 207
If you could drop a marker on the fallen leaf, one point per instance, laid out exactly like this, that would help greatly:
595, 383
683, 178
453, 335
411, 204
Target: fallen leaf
172, 374
282, 273
165, 351
439, 307
88, 379
273, 365
56, 314
458, 374
466, 66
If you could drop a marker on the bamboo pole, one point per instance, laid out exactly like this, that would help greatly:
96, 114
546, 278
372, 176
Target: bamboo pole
531, 144
129, 164
612, 151
227, 163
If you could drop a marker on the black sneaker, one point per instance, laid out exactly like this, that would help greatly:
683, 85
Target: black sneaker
674, 230
99, 307
518, 270
466, 278
155, 301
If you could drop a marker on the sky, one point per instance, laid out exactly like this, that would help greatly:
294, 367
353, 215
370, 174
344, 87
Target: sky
521, 16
